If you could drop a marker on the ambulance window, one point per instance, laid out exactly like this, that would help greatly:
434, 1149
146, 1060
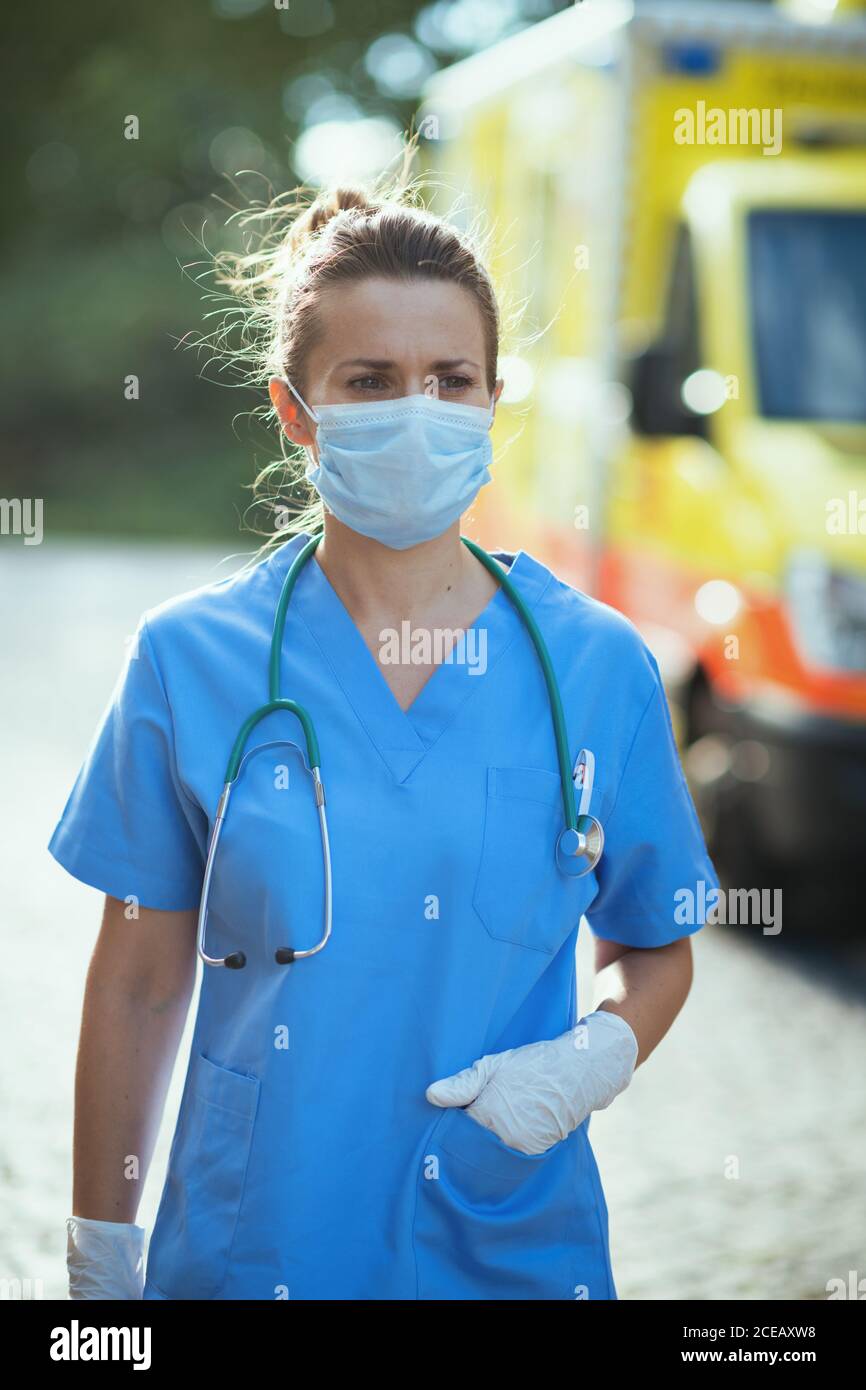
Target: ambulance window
807, 281
658, 373
681, 329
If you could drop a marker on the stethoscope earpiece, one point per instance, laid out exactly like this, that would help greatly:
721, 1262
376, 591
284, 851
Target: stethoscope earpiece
284, 955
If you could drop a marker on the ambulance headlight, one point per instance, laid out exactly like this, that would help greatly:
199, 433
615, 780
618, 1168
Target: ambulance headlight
828, 613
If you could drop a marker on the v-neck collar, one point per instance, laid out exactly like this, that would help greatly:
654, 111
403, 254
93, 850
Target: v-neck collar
402, 738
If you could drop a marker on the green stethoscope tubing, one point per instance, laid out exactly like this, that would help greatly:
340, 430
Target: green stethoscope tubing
553, 694
274, 699
581, 838
562, 751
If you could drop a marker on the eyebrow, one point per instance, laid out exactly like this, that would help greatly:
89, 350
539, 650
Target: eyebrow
443, 365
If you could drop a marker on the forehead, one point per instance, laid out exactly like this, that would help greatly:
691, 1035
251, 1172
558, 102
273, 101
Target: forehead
418, 321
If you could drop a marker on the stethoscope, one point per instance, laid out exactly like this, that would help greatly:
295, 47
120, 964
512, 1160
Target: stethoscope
578, 846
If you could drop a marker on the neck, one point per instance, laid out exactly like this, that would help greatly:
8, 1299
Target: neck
371, 578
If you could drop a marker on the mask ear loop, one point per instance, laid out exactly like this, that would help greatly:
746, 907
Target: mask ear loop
311, 413
298, 397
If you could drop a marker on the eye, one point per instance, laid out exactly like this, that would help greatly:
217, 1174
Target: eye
367, 383
455, 383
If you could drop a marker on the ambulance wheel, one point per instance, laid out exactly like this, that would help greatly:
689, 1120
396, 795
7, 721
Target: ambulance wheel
736, 808
727, 813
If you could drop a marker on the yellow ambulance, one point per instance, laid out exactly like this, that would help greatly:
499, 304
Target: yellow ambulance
677, 197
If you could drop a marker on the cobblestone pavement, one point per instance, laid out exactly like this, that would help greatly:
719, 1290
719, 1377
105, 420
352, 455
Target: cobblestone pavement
734, 1163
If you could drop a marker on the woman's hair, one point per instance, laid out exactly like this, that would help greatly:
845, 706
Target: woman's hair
303, 244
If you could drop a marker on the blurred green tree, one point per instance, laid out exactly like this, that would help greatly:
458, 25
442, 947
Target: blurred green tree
125, 126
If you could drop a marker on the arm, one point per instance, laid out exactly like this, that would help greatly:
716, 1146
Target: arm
130, 829
136, 999
645, 986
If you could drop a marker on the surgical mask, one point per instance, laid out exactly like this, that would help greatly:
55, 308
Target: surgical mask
400, 471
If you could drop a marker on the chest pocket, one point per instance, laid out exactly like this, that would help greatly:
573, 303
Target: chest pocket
520, 894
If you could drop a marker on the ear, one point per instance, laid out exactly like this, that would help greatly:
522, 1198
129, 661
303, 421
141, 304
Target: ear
497, 390
292, 418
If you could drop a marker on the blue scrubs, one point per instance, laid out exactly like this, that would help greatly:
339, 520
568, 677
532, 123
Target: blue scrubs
306, 1162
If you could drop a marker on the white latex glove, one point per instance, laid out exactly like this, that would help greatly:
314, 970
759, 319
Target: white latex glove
104, 1259
533, 1096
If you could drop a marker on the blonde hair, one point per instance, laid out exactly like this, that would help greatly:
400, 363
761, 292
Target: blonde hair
302, 242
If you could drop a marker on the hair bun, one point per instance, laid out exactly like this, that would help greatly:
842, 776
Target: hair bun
325, 207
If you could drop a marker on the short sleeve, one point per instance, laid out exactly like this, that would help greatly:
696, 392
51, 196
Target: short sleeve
128, 826
655, 874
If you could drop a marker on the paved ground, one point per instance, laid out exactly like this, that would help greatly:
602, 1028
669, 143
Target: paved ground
733, 1164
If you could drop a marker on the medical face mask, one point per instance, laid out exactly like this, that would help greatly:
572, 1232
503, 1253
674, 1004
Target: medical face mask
400, 471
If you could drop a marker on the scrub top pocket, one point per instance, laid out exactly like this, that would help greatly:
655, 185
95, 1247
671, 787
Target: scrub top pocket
195, 1224
520, 894
494, 1222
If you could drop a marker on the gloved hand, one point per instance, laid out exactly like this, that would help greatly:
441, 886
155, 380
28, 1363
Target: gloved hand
533, 1096
104, 1259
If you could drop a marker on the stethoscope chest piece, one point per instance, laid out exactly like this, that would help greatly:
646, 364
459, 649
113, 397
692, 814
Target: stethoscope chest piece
578, 851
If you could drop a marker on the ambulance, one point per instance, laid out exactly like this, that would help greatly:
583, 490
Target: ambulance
675, 201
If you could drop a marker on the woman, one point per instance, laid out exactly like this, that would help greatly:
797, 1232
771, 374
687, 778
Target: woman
395, 1106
